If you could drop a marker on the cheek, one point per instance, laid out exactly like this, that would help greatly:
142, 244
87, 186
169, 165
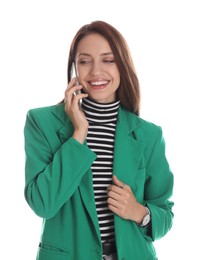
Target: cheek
116, 75
81, 76
82, 71
117, 79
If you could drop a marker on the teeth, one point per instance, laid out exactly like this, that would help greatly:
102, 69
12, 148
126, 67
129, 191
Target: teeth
97, 83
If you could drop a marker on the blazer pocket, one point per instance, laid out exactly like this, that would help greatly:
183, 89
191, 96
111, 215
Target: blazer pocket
51, 252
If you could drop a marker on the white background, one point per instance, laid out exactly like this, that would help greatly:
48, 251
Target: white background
165, 41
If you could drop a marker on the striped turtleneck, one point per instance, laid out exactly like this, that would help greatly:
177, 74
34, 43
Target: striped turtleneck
102, 120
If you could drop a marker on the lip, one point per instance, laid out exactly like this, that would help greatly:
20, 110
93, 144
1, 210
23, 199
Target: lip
98, 84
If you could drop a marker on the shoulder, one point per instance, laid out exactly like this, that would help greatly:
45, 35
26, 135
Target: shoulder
138, 125
148, 134
149, 128
41, 112
38, 111
47, 115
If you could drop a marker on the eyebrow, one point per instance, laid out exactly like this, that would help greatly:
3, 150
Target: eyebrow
102, 54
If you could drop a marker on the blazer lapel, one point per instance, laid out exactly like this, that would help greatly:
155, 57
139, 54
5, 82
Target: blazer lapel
87, 194
66, 129
127, 150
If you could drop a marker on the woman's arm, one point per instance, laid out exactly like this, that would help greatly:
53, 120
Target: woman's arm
51, 176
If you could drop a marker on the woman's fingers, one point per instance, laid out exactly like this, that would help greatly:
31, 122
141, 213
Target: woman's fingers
72, 95
119, 183
121, 199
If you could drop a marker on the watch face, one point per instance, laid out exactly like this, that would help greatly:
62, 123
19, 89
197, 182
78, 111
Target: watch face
146, 220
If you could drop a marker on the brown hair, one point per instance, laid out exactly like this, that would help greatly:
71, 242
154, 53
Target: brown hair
129, 91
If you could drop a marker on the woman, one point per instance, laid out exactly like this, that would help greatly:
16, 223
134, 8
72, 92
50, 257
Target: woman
95, 171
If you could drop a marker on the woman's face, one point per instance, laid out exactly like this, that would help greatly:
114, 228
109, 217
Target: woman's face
96, 68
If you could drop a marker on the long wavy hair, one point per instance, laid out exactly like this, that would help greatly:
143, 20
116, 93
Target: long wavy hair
129, 90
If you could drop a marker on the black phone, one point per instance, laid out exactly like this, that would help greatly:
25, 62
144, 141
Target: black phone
77, 83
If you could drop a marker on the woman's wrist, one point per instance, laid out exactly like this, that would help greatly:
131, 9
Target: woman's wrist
80, 136
140, 213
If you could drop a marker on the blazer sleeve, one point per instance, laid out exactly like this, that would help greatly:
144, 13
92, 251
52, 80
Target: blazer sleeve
158, 190
51, 177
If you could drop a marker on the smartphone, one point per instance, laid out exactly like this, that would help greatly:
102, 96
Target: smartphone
77, 83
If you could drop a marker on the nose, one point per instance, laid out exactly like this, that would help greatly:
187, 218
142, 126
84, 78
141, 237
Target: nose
96, 69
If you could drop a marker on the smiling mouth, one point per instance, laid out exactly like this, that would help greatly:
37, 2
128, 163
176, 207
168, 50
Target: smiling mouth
98, 84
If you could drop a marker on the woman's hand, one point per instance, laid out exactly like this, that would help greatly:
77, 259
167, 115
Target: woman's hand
122, 202
74, 112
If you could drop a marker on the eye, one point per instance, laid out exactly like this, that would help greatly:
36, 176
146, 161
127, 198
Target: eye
84, 61
109, 60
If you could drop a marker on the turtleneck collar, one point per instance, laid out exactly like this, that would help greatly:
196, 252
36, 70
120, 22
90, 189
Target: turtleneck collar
100, 113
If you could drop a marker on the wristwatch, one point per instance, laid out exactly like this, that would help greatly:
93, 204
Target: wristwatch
145, 221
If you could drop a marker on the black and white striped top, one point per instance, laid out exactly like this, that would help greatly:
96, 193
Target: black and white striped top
102, 120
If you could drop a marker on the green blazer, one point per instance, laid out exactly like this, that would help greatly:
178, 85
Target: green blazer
59, 186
